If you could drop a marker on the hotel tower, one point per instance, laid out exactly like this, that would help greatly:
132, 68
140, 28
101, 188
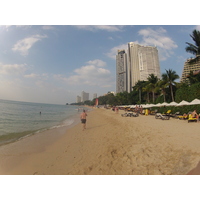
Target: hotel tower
121, 71
139, 63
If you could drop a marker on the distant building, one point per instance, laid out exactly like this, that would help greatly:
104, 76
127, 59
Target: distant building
84, 96
189, 67
78, 99
94, 95
110, 92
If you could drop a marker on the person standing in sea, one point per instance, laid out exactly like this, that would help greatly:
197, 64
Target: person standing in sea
83, 119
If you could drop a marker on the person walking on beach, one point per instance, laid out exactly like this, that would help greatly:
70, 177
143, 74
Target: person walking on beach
83, 119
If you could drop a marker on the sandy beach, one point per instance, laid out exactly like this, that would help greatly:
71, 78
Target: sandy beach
111, 145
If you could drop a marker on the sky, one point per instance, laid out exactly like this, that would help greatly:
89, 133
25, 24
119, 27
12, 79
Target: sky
55, 63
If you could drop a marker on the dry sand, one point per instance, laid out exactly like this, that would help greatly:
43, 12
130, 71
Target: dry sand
111, 145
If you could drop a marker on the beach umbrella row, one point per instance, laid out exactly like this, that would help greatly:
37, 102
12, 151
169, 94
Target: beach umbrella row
182, 103
195, 102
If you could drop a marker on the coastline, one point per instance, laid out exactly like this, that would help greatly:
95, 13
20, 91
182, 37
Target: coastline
15, 152
111, 145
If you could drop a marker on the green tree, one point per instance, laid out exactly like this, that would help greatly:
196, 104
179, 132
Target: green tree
169, 77
138, 87
193, 78
162, 84
194, 48
153, 80
147, 90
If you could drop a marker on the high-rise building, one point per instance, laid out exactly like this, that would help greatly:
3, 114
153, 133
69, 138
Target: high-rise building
189, 67
133, 73
142, 61
121, 71
148, 62
135, 65
78, 99
84, 96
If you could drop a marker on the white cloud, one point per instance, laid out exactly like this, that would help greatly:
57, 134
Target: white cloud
12, 68
150, 37
92, 74
109, 28
110, 38
158, 38
25, 44
37, 76
97, 62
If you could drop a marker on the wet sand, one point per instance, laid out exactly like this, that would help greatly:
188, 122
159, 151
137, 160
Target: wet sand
111, 145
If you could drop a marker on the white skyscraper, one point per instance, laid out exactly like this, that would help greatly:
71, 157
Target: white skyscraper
136, 65
78, 99
84, 96
142, 61
133, 73
121, 71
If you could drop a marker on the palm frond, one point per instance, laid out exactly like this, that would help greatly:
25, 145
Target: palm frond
191, 49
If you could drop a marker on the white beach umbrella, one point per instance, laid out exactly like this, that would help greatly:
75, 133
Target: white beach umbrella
149, 105
164, 104
133, 106
145, 105
183, 103
173, 103
195, 102
157, 105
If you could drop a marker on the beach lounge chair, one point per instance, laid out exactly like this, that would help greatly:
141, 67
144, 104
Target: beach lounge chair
192, 119
153, 112
183, 117
163, 117
130, 114
175, 115
168, 112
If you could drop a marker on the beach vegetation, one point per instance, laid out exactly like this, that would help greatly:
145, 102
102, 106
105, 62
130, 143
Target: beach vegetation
138, 87
162, 85
193, 77
194, 48
152, 84
188, 92
170, 78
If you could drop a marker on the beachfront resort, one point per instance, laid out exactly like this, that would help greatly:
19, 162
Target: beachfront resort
149, 127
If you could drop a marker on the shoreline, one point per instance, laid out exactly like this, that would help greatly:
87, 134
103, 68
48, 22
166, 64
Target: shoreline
111, 145
63, 123
15, 152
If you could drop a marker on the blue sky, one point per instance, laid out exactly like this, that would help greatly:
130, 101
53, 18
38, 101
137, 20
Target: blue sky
53, 64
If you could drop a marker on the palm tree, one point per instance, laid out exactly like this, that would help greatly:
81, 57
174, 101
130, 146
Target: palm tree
169, 77
138, 87
153, 80
147, 89
194, 48
162, 85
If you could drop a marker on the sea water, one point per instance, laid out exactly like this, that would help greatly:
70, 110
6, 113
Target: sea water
21, 119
